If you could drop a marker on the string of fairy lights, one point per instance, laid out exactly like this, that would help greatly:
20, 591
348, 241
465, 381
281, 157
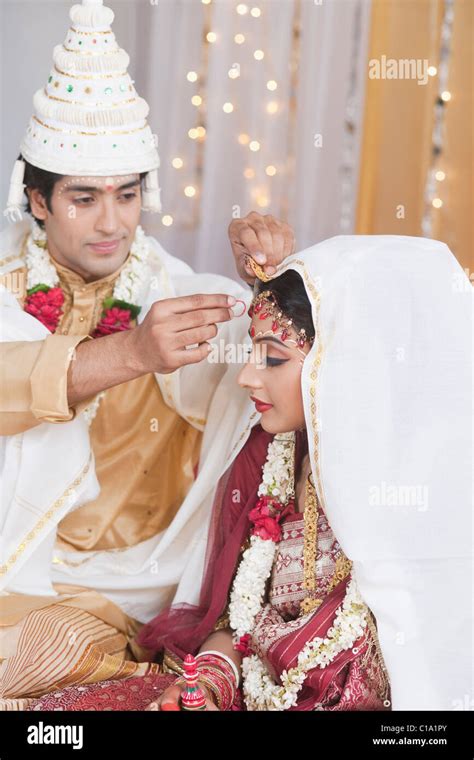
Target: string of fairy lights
436, 173
198, 132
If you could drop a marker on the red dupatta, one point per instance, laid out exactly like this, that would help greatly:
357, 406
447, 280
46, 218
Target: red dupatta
184, 628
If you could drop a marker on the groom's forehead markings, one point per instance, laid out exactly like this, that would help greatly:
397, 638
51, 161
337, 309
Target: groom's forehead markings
91, 184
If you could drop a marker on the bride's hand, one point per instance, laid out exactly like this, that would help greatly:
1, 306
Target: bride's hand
172, 695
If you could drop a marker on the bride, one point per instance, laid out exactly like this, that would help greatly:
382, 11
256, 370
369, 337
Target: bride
323, 573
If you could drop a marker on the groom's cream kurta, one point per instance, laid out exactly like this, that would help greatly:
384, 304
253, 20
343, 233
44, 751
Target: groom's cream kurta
144, 473
146, 442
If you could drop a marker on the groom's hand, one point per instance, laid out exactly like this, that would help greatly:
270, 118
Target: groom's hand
266, 239
160, 343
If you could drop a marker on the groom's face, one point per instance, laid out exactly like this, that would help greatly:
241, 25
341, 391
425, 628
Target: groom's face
93, 221
273, 378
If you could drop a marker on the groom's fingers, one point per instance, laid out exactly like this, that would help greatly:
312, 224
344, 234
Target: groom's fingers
290, 242
244, 242
197, 302
266, 239
277, 253
282, 243
194, 355
158, 343
195, 319
190, 337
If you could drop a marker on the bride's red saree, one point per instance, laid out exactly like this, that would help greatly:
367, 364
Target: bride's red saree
354, 680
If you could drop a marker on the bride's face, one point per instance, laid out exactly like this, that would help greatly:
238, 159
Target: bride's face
273, 378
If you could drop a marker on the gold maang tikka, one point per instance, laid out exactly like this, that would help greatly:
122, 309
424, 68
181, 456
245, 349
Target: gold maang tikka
265, 305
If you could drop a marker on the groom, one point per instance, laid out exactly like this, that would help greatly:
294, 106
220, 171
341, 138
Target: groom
112, 447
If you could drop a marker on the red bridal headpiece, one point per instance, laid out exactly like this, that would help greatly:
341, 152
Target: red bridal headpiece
266, 305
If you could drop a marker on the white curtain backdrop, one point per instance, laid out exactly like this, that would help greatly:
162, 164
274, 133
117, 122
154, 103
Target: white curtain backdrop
315, 50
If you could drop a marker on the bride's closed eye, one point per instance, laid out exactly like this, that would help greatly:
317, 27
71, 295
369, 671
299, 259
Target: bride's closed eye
270, 361
274, 362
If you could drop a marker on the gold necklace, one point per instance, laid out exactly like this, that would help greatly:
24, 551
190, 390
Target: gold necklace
310, 550
311, 514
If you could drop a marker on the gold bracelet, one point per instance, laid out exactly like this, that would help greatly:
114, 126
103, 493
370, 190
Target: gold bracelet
172, 663
214, 692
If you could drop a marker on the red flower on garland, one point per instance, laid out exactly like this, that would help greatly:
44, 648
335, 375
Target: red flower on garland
116, 317
113, 320
45, 304
266, 516
243, 645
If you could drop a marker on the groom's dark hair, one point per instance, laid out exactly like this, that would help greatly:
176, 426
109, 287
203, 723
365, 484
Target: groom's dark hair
291, 296
44, 182
39, 179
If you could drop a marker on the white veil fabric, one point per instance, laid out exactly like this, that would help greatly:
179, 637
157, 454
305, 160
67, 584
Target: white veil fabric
387, 391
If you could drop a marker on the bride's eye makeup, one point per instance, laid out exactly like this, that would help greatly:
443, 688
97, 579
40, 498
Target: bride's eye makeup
269, 361
272, 361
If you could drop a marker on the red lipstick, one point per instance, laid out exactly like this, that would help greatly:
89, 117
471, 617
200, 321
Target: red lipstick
261, 406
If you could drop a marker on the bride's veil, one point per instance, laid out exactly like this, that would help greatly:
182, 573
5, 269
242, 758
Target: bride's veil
387, 393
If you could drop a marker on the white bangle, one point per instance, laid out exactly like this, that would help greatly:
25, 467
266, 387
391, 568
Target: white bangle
224, 657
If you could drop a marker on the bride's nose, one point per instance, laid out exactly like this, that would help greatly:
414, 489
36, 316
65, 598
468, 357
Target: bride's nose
249, 376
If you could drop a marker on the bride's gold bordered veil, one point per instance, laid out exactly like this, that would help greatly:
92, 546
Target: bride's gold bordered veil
387, 391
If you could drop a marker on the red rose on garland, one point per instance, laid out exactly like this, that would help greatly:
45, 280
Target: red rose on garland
243, 645
116, 317
266, 516
45, 304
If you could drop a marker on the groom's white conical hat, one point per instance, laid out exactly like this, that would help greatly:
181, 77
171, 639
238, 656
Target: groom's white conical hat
88, 119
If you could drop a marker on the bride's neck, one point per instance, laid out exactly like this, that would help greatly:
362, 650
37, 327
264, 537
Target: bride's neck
302, 471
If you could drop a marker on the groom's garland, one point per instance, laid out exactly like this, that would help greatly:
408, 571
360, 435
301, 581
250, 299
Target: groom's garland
45, 297
276, 493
